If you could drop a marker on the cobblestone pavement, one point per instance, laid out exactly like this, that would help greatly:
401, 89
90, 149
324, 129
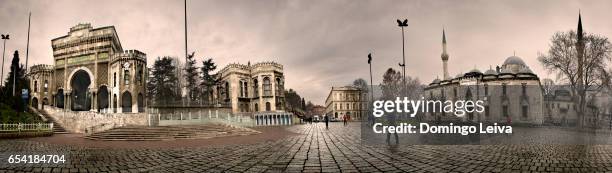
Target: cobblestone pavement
337, 149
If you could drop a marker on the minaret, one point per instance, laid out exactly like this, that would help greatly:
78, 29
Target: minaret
444, 56
580, 48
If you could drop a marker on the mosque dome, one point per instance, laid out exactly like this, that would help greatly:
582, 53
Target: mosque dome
525, 70
490, 72
474, 71
514, 60
505, 71
436, 80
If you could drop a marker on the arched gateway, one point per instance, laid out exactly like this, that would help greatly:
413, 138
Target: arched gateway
80, 97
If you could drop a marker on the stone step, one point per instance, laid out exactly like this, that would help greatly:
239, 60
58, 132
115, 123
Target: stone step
143, 133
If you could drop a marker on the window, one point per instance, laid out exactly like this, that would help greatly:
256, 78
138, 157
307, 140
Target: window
524, 88
268, 106
455, 92
139, 75
267, 86
256, 107
126, 77
486, 89
46, 86
504, 89
279, 86
115, 79
487, 111
241, 89
255, 88
525, 111
246, 89
35, 86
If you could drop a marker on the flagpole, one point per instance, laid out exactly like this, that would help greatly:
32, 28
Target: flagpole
28, 44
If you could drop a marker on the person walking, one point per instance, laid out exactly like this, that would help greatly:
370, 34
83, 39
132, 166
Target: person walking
326, 122
344, 119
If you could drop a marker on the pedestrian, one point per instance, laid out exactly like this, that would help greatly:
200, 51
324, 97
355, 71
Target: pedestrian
344, 119
326, 122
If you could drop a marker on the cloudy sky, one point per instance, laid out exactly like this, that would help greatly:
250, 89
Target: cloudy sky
321, 43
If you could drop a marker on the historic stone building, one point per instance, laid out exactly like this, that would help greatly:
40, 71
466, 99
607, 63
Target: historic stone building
252, 88
255, 90
346, 101
91, 72
511, 93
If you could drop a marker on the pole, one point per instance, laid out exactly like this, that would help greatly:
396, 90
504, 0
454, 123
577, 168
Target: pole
186, 55
2, 75
371, 90
28, 43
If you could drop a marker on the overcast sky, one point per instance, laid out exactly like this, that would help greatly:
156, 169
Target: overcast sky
321, 43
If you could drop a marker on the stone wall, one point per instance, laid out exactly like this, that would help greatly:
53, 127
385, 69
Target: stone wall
77, 122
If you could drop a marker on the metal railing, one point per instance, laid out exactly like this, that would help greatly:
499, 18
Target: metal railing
26, 127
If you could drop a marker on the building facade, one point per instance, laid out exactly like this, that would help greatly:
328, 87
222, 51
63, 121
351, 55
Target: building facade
511, 93
346, 101
252, 88
91, 72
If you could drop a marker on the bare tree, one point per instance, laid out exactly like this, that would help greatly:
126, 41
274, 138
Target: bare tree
361, 84
581, 74
548, 86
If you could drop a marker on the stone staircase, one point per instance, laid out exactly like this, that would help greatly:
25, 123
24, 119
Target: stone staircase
144, 133
57, 128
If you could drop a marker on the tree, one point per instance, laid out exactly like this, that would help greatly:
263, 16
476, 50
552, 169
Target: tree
19, 78
208, 80
548, 86
164, 81
391, 85
191, 77
588, 73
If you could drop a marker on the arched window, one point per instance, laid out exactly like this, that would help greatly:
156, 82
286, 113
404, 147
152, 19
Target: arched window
241, 89
255, 88
256, 107
46, 85
126, 77
139, 74
279, 86
115, 79
267, 86
268, 106
35, 86
227, 93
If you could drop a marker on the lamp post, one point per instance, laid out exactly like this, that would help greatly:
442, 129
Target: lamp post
403, 24
4, 38
370, 118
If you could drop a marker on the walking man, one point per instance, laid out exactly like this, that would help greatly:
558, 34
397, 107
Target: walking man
326, 122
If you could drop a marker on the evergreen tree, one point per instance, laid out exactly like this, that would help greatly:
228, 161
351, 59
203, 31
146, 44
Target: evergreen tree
208, 80
16, 75
191, 75
164, 81
20, 76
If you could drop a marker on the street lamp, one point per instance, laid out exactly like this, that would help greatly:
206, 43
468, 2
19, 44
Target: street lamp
403, 24
4, 38
370, 118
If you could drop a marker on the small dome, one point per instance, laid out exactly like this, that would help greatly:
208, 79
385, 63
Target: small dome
490, 72
474, 71
514, 60
436, 80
